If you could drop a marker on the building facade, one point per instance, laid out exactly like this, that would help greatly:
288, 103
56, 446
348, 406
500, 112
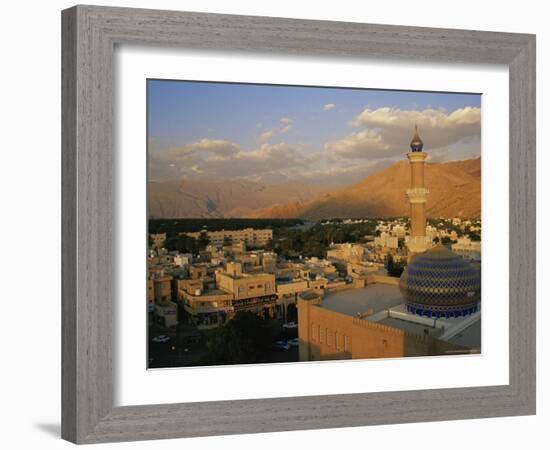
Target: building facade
209, 308
325, 334
250, 292
467, 249
346, 252
252, 237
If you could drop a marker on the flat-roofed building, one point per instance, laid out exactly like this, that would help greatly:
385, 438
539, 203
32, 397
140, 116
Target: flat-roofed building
198, 271
386, 241
249, 259
399, 231
208, 308
346, 252
467, 249
373, 322
182, 259
360, 271
163, 289
185, 284
166, 314
291, 287
253, 237
252, 292
269, 262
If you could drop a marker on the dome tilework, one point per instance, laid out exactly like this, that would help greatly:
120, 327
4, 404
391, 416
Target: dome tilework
439, 283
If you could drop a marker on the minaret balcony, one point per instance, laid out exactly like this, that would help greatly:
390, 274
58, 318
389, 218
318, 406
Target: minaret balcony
417, 157
418, 195
418, 244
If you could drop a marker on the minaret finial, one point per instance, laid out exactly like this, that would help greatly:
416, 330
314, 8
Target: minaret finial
416, 143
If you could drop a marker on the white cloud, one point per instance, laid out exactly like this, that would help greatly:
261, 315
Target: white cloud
234, 162
266, 136
386, 132
215, 146
284, 126
428, 118
329, 106
361, 144
381, 137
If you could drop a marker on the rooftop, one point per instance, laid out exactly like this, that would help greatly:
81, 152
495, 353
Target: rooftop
411, 327
375, 297
469, 337
213, 292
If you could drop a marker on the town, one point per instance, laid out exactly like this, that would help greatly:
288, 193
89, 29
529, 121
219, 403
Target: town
230, 296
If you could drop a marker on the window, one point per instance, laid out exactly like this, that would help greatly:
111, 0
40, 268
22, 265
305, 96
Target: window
313, 334
337, 341
346, 343
329, 337
321, 334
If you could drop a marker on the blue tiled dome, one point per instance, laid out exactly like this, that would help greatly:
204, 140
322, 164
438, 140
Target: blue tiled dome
439, 283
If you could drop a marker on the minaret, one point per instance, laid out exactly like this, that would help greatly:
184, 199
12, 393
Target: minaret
418, 195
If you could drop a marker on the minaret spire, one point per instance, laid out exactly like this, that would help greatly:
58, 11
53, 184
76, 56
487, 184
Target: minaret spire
416, 143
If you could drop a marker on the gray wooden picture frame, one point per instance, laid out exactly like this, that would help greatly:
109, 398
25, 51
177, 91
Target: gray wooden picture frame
90, 34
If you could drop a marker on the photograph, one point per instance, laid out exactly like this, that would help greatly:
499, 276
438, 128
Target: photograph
264, 225
306, 223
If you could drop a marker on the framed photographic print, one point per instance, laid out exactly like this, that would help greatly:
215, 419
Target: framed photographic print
277, 224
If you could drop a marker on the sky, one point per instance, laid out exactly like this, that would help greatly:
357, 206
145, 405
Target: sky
274, 134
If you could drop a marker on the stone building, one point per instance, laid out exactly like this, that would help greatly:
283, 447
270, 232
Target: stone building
207, 308
337, 332
250, 292
252, 237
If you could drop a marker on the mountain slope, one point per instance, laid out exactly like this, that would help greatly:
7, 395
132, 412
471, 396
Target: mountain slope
194, 199
455, 190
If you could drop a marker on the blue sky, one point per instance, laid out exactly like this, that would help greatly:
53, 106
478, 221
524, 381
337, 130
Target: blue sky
200, 130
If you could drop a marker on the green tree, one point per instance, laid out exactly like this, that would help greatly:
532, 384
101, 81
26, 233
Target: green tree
292, 313
203, 240
241, 340
395, 269
182, 243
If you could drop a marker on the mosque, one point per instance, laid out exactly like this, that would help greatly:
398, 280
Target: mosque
432, 309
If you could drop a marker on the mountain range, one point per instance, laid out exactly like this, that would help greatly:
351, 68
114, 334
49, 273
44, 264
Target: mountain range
455, 190
226, 198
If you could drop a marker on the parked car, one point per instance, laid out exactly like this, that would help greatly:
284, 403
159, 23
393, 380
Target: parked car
293, 342
161, 338
290, 326
281, 345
